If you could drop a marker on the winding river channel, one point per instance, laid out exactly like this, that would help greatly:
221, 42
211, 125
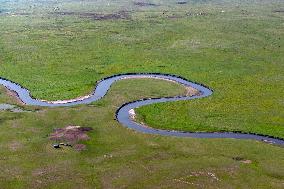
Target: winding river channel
122, 114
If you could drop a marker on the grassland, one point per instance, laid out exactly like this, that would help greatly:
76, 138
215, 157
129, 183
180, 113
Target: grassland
120, 158
59, 50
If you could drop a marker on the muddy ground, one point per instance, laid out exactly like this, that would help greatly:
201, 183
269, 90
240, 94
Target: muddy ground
71, 135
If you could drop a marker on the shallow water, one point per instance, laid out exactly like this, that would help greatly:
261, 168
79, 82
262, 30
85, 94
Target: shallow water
6, 106
12, 108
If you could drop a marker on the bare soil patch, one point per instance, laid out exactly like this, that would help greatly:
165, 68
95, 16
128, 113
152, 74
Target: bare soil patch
12, 108
14, 95
79, 147
71, 135
243, 160
15, 145
190, 91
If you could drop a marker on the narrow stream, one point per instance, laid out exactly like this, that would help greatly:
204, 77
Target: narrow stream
122, 113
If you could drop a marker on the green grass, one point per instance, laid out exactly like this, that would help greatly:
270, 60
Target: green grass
237, 53
236, 48
117, 157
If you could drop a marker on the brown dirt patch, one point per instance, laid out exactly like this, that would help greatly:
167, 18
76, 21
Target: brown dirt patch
79, 147
70, 134
14, 95
190, 91
246, 161
97, 16
15, 145
243, 160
